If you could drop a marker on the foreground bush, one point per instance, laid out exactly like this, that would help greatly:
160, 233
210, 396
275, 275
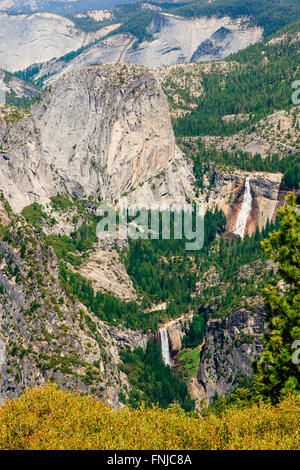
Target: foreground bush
48, 418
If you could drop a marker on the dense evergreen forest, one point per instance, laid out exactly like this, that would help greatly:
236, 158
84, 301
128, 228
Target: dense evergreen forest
151, 380
196, 332
270, 14
204, 157
164, 271
257, 83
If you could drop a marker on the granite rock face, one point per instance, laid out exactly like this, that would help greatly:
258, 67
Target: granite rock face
230, 347
176, 330
206, 48
175, 39
103, 131
24, 174
11, 84
42, 40
35, 38
228, 192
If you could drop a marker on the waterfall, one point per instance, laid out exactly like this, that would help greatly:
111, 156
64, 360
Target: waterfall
245, 211
165, 346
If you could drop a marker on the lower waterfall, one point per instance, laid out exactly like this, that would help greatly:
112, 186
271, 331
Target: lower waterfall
165, 346
245, 211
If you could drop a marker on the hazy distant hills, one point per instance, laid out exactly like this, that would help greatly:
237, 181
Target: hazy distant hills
57, 6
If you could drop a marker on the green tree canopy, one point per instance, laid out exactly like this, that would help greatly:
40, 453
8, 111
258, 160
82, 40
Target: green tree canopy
277, 373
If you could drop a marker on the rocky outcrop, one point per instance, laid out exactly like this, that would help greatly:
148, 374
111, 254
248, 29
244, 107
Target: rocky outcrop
216, 46
205, 50
276, 134
221, 34
103, 131
176, 330
107, 273
228, 192
11, 84
230, 347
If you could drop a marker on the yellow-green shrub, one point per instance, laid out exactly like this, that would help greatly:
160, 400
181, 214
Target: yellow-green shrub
48, 418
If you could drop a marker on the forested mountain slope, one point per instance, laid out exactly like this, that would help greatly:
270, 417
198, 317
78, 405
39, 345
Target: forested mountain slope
239, 114
70, 303
228, 96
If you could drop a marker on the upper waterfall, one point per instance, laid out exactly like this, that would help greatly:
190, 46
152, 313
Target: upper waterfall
245, 211
165, 346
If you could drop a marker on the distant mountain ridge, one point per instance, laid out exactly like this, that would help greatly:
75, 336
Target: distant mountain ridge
57, 6
59, 44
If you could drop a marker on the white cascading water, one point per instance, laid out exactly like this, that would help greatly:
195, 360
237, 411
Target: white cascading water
165, 346
241, 222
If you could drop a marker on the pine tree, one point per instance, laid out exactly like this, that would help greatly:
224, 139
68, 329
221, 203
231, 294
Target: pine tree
276, 372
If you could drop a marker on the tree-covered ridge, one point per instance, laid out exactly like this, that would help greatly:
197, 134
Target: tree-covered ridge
107, 307
271, 15
278, 371
257, 83
133, 19
233, 272
206, 159
136, 22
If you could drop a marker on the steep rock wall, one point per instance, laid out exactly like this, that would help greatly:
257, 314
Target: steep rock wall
230, 347
103, 131
228, 192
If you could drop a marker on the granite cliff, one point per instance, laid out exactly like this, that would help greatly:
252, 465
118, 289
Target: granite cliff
103, 131
230, 346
